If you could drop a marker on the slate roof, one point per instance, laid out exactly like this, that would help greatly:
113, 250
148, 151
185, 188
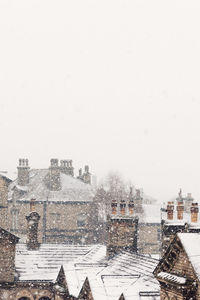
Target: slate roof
72, 189
127, 273
45, 263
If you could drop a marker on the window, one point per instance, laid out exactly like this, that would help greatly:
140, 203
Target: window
14, 213
45, 298
81, 220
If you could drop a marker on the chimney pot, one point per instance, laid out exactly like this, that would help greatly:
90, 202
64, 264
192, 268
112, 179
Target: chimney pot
114, 207
23, 172
123, 208
170, 210
54, 162
180, 209
194, 212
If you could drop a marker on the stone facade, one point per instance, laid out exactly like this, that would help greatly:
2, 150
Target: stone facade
64, 203
176, 274
180, 216
4, 183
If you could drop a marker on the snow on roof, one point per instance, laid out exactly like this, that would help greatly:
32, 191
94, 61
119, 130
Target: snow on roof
45, 263
191, 244
172, 277
126, 273
72, 189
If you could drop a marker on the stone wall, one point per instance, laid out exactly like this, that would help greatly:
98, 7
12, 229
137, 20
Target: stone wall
7, 260
59, 222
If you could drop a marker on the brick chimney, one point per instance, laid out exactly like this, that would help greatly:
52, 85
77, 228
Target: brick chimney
180, 210
170, 210
54, 175
66, 167
86, 175
122, 234
194, 212
23, 172
32, 224
131, 202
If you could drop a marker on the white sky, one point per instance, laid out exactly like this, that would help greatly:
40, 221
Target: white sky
113, 84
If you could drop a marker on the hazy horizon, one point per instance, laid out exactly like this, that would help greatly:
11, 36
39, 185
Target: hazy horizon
111, 84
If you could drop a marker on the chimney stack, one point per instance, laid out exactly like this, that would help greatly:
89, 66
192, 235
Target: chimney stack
170, 210
23, 172
54, 175
32, 224
86, 175
180, 209
66, 167
194, 212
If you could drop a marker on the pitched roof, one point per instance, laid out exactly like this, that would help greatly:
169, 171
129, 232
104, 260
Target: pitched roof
45, 263
6, 234
191, 244
72, 189
126, 273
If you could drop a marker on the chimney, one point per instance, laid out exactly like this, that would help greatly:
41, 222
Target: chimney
180, 209
23, 172
32, 224
86, 175
114, 207
170, 210
54, 175
122, 207
122, 234
66, 167
194, 212
131, 202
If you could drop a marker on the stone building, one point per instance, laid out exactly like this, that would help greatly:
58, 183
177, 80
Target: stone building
178, 272
35, 271
4, 184
144, 218
65, 203
181, 215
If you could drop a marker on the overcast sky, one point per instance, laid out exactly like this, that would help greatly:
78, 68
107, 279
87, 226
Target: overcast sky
113, 84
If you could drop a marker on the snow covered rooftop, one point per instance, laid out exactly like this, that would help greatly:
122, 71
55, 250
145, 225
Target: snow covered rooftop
127, 273
45, 263
191, 244
72, 189
172, 277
